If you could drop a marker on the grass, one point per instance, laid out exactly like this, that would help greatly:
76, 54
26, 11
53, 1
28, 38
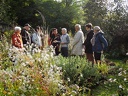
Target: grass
111, 86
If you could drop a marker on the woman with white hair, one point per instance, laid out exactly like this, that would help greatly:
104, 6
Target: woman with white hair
16, 38
78, 41
65, 40
99, 43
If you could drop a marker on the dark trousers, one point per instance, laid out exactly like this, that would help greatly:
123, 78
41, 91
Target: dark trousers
64, 51
57, 51
97, 56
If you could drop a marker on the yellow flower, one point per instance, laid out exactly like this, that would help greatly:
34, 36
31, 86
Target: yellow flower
5, 92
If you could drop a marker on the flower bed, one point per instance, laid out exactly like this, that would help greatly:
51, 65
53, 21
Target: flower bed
33, 72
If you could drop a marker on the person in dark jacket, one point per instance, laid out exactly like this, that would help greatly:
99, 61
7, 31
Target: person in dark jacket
99, 43
87, 43
55, 41
26, 37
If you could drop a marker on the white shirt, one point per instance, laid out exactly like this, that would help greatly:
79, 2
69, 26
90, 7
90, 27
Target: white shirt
36, 38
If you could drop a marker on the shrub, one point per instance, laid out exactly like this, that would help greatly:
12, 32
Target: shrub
76, 70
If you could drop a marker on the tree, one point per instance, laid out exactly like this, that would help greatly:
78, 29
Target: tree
57, 14
112, 19
3, 12
116, 28
61, 14
22, 11
95, 11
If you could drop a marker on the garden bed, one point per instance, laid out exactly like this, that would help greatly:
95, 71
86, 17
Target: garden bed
40, 73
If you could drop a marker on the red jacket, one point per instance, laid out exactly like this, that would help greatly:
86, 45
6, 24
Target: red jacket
17, 40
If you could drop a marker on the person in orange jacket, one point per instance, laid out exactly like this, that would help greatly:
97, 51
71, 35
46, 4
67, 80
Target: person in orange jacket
16, 38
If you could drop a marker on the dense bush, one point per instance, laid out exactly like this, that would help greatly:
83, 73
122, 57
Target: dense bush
76, 70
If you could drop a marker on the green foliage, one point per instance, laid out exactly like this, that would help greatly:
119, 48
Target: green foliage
3, 14
8, 34
77, 70
55, 14
103, 68
112, 21
4, 60
115, 83
58, 14
95, 12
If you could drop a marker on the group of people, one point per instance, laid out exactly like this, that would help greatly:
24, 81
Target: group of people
60, 42
94, 44
22, 37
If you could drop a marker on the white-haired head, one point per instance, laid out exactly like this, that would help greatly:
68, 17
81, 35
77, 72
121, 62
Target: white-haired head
17, 28
97, 28
78, 27
64, 30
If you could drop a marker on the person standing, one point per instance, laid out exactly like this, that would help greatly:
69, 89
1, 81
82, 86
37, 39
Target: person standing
51, 36
36, 38
65, 40
87, 43
99, 44
26, 37
16, 38
55, 41
78, 41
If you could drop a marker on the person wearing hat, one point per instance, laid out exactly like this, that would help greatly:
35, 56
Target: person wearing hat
26, 37
16, 38
99, 43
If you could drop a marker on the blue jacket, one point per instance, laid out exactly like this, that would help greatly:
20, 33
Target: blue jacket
100, 43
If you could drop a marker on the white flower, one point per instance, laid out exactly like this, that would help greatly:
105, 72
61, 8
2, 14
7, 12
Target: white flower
27, 62
120, 69
74, 92
126, 53
125, 79
23, 64
105, 82
114, 94
110, 80
114, 80
22, 95
124, 71
81, 75
68, 79
23, 88
119, 74
120, 86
